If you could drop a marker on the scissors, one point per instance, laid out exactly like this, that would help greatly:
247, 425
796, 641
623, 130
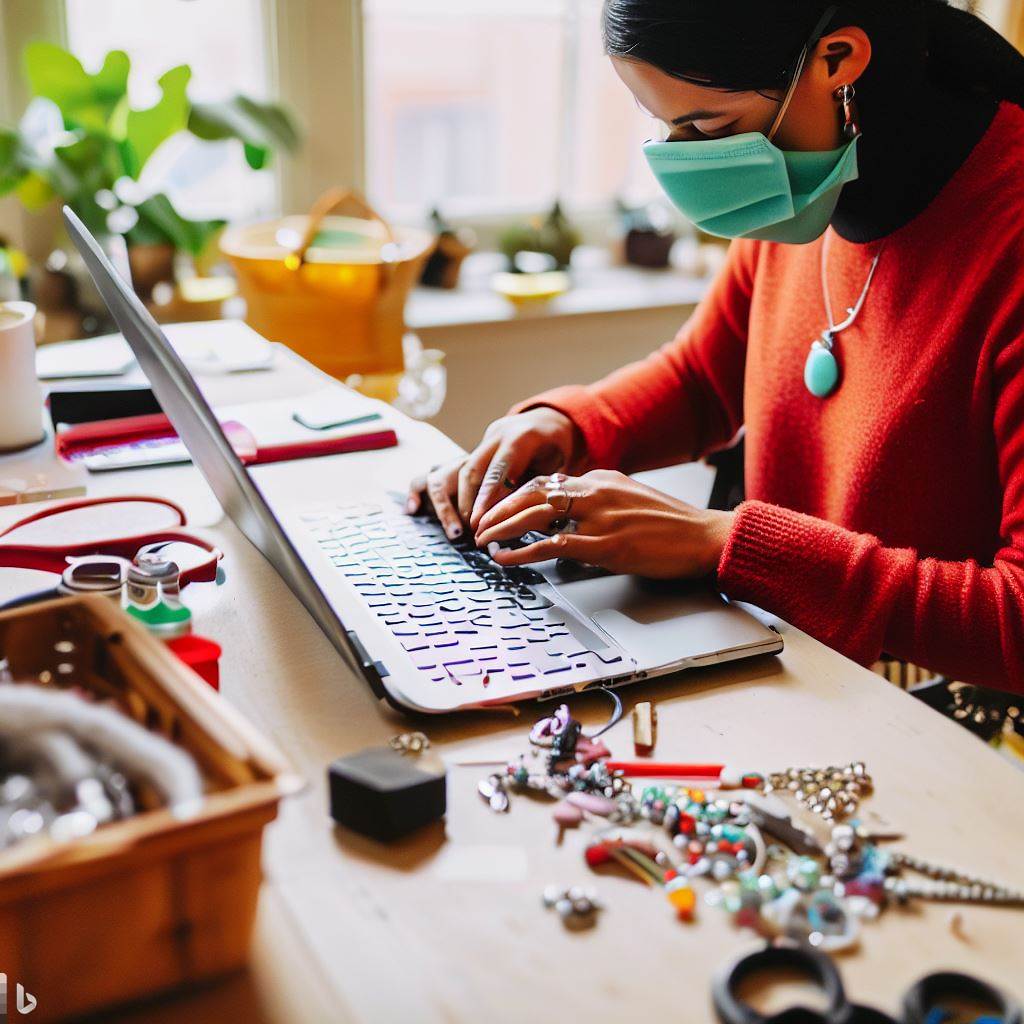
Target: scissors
115, 550
923, 1004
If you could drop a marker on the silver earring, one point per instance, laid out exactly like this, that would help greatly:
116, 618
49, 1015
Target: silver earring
845, 96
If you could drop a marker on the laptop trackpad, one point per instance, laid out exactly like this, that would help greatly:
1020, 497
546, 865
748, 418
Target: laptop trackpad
663, 623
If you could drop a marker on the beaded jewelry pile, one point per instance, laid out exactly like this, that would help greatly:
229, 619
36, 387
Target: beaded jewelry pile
769, 872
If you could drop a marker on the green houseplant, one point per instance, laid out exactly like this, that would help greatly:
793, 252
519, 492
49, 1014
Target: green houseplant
82, 142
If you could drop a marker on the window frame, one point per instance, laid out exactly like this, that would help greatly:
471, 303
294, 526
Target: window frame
315, 61
489, 218
313, 55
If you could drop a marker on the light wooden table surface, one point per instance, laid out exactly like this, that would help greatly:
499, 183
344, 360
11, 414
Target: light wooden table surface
447, 925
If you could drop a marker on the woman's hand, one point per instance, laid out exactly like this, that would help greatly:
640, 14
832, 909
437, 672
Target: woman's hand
514, 448
615, 523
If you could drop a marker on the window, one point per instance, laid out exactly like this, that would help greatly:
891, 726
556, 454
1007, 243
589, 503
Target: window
496, 105
222, 41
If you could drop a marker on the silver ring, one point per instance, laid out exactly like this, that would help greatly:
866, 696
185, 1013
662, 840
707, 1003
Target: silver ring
563, 505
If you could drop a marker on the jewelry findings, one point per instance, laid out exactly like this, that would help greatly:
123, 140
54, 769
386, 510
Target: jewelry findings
576, 906
834, 793
409, 743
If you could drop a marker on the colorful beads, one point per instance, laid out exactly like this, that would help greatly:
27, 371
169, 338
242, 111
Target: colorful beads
804, 873
682, 897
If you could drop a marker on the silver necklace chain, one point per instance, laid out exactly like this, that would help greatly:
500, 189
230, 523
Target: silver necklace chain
852, 311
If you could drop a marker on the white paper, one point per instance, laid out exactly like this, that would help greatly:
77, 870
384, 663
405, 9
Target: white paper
216, 346
272, 422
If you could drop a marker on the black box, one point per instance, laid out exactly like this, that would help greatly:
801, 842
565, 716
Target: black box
383, 794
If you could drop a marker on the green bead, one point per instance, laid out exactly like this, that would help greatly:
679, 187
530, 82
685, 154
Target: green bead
749, 881
821, 371
804, 873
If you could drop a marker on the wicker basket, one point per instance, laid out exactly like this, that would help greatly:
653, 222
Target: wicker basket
152, 902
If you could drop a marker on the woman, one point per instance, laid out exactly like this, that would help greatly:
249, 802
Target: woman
867, 331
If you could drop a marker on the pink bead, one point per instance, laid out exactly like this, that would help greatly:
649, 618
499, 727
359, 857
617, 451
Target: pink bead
592, 802
566, 815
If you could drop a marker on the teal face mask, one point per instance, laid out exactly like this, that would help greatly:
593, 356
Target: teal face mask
746, 187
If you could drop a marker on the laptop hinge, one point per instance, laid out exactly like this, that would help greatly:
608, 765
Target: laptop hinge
374, 671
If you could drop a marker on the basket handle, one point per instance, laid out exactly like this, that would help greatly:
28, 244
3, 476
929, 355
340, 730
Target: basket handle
331, 201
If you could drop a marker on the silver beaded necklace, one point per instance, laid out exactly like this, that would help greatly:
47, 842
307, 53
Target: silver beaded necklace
947, 885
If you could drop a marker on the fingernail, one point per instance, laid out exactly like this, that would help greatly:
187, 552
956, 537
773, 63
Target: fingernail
493, 548
411, 505
454, 531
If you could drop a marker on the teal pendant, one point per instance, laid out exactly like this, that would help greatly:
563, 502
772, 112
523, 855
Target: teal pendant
821, 371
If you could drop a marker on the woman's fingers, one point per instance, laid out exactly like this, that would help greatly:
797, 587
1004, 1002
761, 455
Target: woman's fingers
414, 501
528, 496
438, 485
439, 490
472, 474
561, 545
534, 517
504, 472
564, 497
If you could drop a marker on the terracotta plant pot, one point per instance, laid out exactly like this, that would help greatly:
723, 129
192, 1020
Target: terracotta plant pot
150, 265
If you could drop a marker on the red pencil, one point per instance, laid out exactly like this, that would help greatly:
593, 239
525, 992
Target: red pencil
666, 770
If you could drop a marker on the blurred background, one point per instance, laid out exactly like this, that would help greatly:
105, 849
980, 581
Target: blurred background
496, 126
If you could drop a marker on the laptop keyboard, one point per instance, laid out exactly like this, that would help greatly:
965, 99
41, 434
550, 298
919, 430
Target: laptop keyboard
461, 617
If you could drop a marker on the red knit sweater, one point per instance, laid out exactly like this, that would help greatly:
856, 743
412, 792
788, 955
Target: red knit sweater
889, 516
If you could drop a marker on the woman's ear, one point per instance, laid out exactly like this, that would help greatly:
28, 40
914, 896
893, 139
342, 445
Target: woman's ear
842, 56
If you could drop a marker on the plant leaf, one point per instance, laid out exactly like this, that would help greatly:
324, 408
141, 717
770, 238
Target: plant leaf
160, 222
261, 127
85, 100
257, 157
146, 129
37, 156
12, 166
34, 191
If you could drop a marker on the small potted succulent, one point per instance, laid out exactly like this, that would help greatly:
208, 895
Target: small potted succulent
82, 142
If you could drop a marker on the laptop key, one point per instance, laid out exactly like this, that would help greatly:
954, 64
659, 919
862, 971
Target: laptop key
415, 645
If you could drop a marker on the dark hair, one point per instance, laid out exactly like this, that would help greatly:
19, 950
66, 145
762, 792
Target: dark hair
754, 44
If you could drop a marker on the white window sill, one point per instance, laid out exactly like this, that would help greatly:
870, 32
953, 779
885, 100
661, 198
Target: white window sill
598, 287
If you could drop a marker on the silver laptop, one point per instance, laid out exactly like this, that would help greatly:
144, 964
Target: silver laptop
431, 625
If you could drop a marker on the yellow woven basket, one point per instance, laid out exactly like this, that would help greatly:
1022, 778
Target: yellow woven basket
330, 287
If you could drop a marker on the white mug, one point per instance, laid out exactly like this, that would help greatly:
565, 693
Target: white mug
21, 398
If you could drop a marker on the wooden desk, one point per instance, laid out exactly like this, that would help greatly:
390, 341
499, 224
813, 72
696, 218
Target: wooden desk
448, 925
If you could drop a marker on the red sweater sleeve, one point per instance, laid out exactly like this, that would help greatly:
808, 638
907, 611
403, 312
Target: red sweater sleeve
963, 619
684, 400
